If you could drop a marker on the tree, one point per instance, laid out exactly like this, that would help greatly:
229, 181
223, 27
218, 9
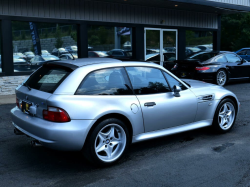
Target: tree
235, 31
58, 36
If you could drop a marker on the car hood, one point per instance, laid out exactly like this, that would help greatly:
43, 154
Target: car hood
200, 88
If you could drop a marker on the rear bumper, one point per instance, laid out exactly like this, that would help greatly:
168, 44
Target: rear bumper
68, 136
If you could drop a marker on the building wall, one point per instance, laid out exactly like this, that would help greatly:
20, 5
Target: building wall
107, 12
235, 2
8, 84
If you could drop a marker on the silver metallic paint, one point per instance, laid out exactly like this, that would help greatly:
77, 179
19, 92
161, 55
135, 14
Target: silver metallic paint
170, 131
85, 110
68, 136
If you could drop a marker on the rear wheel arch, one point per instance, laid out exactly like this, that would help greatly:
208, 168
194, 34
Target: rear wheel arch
116, 116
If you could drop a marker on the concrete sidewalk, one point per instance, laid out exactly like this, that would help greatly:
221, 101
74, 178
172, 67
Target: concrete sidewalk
7, 99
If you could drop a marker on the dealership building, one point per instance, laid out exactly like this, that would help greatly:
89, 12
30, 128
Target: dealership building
137, 28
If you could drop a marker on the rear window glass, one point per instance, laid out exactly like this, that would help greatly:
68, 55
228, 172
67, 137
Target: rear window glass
203, 56
48, 78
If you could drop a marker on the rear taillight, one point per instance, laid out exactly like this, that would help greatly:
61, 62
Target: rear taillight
17, 103
56, 114
202, 68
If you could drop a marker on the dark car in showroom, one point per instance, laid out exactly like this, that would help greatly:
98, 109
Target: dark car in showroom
169, 59
218, 67
119, 53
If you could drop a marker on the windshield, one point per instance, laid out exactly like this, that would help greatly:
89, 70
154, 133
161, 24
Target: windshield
203, 56
47, 58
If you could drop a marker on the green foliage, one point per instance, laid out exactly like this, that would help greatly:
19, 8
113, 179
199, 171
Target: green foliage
74, 35
235, 31
46, 33
192, 40
58, 37
32, 48
23, 36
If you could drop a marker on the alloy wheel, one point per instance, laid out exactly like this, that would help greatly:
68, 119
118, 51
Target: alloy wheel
110, 142
226, 116
221, 78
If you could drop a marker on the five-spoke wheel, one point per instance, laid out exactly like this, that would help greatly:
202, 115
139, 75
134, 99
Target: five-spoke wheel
110, 142
225, 115
107, 142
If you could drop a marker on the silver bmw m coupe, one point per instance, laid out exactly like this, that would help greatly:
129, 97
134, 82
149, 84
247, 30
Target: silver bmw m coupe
99, 106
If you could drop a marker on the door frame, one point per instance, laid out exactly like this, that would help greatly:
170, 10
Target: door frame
161, 42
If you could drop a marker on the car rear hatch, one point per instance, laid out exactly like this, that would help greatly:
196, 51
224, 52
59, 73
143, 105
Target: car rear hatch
33, 94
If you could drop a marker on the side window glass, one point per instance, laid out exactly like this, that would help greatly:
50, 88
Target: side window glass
232, 58
147, 80
243, 52
172, 82
112, 81
221, 58
248, 52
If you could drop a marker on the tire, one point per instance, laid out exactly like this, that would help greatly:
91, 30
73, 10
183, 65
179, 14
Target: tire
223, 122
107, 143
221, 77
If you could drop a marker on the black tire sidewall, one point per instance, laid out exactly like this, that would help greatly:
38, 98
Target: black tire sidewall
89, 148
216, 125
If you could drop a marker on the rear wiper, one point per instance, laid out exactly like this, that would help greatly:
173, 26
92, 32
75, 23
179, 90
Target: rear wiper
25, 84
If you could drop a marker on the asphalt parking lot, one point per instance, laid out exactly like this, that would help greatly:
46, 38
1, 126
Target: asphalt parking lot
195, 158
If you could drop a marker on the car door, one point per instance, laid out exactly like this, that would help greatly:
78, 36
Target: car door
160, 108
235, 67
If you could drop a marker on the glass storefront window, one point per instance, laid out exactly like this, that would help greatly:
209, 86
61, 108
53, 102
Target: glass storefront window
56, 41
106, 41
0, 49
198, 41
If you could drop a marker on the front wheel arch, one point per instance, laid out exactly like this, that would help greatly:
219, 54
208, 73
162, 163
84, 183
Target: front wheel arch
233, 99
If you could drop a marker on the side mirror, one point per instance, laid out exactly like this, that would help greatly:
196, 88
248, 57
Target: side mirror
177, 90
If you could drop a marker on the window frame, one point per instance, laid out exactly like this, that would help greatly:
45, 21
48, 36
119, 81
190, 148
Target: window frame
123, 67
176, 80
154, 68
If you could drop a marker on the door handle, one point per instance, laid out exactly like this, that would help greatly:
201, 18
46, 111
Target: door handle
149, 104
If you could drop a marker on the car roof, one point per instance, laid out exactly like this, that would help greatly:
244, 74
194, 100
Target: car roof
88, 61
80, 62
